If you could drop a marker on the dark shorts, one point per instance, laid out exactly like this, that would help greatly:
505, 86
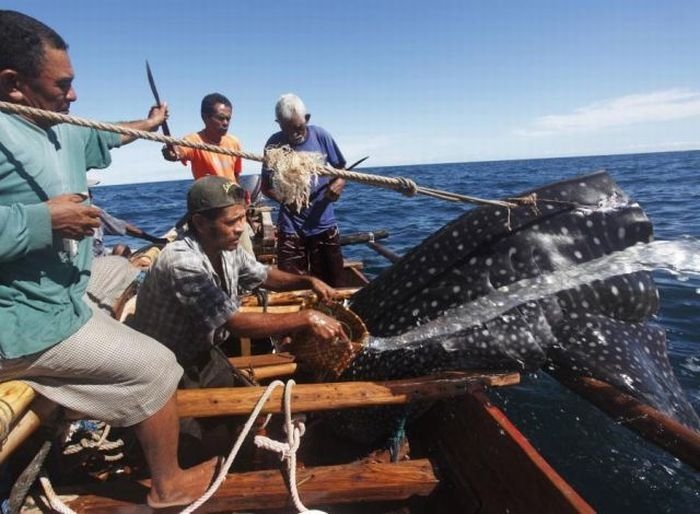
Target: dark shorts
318, 255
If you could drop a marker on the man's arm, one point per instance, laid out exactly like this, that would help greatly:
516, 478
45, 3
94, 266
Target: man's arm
135, 231
156, 116
26, 228
266, 186
278, 280
264, 324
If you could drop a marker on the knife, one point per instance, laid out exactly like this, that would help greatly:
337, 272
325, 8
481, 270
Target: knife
152, 83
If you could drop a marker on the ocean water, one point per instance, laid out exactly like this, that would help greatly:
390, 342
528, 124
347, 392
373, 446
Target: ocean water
611, 467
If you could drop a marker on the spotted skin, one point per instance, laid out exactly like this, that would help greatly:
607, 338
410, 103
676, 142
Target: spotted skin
598, 329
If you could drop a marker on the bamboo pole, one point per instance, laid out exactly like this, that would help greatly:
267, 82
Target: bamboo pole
340, 395
278, 370
38, 413
15, 398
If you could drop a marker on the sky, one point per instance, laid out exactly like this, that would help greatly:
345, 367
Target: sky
405, 82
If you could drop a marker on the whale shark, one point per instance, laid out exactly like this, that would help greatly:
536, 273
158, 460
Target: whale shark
491, 290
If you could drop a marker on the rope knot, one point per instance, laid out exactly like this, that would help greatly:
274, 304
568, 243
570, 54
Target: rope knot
406, 186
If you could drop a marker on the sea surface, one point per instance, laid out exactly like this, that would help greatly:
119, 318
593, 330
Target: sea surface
611, 467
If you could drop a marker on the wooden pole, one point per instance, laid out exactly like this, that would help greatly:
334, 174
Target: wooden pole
363, 237
340, 395
655, 426
389, 255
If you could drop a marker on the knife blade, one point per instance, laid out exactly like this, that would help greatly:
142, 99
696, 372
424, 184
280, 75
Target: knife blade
154, 90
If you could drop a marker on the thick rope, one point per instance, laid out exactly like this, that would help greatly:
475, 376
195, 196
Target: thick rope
401, 184
99, 442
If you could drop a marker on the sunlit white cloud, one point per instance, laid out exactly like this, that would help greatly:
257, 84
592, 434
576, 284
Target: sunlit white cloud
657, 106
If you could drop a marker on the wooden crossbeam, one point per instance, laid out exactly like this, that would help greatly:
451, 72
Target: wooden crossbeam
327, 485
340, 395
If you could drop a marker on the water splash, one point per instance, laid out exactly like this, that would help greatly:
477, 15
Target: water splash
680, 258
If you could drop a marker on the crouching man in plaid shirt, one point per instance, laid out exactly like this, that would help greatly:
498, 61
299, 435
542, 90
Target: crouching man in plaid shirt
189, 300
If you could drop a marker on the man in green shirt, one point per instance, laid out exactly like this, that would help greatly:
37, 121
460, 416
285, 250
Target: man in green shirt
51, 338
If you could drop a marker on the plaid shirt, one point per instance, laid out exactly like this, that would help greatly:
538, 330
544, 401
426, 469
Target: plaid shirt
182, 302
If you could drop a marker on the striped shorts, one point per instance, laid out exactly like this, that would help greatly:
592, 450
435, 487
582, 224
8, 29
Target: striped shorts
105, 371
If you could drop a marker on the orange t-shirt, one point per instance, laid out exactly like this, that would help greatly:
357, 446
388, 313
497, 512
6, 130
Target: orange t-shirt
209, 163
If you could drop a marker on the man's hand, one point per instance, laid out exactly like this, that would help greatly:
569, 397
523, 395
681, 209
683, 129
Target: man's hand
324, 292
325, 327
335, 188
157, 115
170, 153
70, 218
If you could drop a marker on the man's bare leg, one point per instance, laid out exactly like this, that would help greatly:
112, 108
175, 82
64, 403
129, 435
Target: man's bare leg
170, 484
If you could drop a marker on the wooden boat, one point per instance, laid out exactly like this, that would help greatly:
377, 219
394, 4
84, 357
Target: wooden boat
461, 455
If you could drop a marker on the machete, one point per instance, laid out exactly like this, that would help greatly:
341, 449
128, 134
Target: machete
152, 83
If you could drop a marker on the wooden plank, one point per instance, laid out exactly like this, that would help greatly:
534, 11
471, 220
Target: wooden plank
681, 441
259, 361
327, 485
478, 449
340, 395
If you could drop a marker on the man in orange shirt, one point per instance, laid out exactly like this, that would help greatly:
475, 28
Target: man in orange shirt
216, 114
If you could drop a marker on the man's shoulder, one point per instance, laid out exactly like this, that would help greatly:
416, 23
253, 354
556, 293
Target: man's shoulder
320, 131
231, 141
194, 137
177, 252
275, 139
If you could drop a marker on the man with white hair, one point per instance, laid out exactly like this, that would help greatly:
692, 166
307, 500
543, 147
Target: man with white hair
308, 240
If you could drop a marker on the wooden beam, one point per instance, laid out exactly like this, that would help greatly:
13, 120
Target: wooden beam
295, 297
679, 440
340, 395
327, 485
259, 361
275, 309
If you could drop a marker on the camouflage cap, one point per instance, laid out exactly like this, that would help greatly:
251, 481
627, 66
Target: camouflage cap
213, 192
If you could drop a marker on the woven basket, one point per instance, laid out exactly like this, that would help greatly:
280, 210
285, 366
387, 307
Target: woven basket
328, 360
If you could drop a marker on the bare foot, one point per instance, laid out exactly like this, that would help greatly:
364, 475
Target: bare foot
185, 487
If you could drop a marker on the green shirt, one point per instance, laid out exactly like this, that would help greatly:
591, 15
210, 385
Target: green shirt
42, 277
